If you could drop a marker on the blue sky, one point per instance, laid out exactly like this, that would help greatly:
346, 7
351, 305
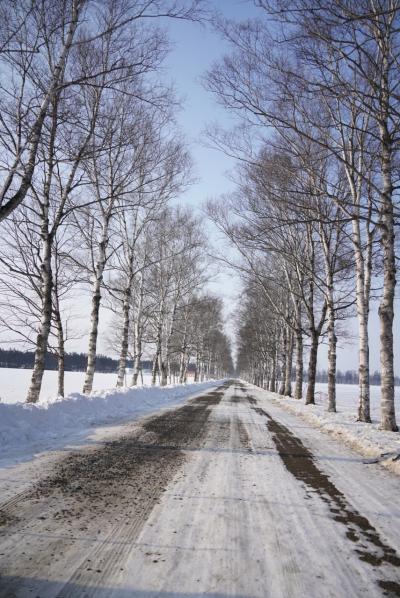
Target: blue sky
195, 48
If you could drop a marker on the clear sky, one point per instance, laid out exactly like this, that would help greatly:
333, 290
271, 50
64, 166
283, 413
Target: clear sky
195, 48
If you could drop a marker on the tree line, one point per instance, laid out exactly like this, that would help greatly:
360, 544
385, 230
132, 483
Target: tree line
314, 87
91, 160
74, 362
351, 377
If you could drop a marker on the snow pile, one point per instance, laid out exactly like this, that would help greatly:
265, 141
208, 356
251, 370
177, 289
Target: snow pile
14, 383
367, 439
28, 428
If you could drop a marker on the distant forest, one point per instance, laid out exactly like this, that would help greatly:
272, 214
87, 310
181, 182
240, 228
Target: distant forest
351, 377
74, 362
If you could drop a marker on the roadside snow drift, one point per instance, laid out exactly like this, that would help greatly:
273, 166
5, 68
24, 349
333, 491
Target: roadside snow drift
29, 428
15, 382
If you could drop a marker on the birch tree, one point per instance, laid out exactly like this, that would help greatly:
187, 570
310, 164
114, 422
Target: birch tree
346, 55
23, 291
163, 173
176, 272
39, 44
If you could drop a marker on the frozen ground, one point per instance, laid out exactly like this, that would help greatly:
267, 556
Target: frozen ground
368, 439
26, 429
226, 496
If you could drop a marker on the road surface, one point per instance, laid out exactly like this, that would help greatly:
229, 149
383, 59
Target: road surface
226, 496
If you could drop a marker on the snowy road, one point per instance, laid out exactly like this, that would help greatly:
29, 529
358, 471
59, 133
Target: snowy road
226, 496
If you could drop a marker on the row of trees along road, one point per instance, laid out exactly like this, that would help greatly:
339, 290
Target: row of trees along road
90, 161
315, 88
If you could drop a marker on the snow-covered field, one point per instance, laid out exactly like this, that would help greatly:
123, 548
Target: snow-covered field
366, 438
14, 383
27, 429
347, 399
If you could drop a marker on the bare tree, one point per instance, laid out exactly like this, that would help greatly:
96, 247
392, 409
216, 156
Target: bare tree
39, 45
177, 272
345, 59
163, 172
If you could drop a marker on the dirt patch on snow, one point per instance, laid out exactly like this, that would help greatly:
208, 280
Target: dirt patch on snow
94, 493
299, 461
390, 588
244, 438
375, 449
251, 400
235, 399
137, 464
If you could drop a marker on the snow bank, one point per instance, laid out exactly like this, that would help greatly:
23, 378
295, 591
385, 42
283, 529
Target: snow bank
14, 383
367, 439
29, 428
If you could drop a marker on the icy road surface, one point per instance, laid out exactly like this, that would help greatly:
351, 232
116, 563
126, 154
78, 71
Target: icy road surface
225, 496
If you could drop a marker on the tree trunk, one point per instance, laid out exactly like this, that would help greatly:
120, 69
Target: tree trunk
185, 374
45, 321
166, 369
137, 340
364, 413
182, 367
362, 301
154, 369
332, 340
60, 353
170, 372
158, 358
46, 276
126, 308
137, 353
312, 369
61, 374
201, 370
289, 365
163, 369
136, 368
298, 393
284, 362
386, 311
272, 383
184, 351
94, 315
197, 369
94, 326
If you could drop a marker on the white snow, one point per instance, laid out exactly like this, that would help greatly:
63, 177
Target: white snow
367, 439
347, 398
26, 429
14, 383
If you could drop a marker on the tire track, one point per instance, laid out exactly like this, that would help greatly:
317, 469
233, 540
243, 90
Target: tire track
369, 546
